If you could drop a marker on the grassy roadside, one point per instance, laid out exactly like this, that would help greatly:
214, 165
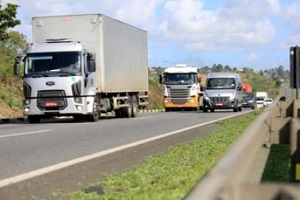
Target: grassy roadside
172, 174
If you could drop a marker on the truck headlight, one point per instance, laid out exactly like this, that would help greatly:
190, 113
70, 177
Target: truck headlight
79, 108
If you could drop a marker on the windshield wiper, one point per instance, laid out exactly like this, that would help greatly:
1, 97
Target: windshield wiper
38, 75
67, 74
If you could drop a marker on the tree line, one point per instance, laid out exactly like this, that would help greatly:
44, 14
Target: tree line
12, 43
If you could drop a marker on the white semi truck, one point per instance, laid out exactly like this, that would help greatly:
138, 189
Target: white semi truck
181, 88
82, 66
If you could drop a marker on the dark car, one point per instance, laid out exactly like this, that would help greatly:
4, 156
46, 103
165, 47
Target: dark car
249, 100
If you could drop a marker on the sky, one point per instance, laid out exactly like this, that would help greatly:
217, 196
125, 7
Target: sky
239, 33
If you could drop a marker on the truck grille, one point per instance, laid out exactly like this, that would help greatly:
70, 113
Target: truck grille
219, 99
178, 96
51, 100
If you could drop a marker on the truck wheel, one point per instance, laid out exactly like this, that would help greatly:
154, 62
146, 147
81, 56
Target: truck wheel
34, 119
135, 106
127, 111
118, 113
205, 110
212, 110
96, 114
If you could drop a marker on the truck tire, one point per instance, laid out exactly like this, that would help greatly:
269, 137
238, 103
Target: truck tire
127, 111
135, 106
96, 113
34, 119
118, 113
205, 110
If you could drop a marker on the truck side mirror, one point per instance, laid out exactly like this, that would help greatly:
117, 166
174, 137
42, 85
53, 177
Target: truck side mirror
92, 66
18, 60
161, 79
91, 63
202, 88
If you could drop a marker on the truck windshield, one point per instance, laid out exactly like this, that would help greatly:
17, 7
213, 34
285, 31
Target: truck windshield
51, 64
220, 83
180, 78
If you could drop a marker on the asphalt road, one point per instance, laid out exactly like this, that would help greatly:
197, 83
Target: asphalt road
26, 148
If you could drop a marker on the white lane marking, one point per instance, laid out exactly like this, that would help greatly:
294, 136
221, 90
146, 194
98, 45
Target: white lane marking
25, 133
38, 172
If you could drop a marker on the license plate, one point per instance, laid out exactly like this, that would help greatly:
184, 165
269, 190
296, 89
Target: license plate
50, 103
219, 104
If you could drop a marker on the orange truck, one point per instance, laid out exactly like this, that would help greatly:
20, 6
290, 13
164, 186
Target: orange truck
182, 88
247, 87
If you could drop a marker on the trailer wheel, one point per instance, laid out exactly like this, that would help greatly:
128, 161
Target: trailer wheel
127, 111
135, 106
96, 113
34, 119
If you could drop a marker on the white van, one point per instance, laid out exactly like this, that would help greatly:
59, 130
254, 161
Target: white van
223, 90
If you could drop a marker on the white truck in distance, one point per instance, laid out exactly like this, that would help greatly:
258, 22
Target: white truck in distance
84, 65
260, 98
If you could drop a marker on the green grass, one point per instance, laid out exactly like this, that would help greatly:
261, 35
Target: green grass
172, 174
277, 168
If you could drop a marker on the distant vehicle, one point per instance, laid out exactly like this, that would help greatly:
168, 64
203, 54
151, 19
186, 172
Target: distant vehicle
223, 90
268, 101
260, 99
246, 87
249, 100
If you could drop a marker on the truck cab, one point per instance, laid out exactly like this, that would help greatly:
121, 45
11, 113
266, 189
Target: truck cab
181, 88
56, 75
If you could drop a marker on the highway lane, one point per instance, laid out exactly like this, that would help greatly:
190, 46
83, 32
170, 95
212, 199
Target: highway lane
26, 147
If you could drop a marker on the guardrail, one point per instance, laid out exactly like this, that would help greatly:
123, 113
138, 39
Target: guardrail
238, 173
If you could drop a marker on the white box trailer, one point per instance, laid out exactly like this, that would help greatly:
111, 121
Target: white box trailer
111, 74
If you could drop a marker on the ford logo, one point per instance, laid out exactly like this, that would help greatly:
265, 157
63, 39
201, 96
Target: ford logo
50, 83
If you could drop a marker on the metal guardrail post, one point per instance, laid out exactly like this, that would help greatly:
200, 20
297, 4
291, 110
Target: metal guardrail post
295, 143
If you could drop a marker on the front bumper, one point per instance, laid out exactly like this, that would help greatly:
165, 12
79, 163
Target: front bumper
218, 103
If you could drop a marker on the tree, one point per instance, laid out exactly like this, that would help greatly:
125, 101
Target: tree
7, 19
15, 44
280, 71
227, 68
